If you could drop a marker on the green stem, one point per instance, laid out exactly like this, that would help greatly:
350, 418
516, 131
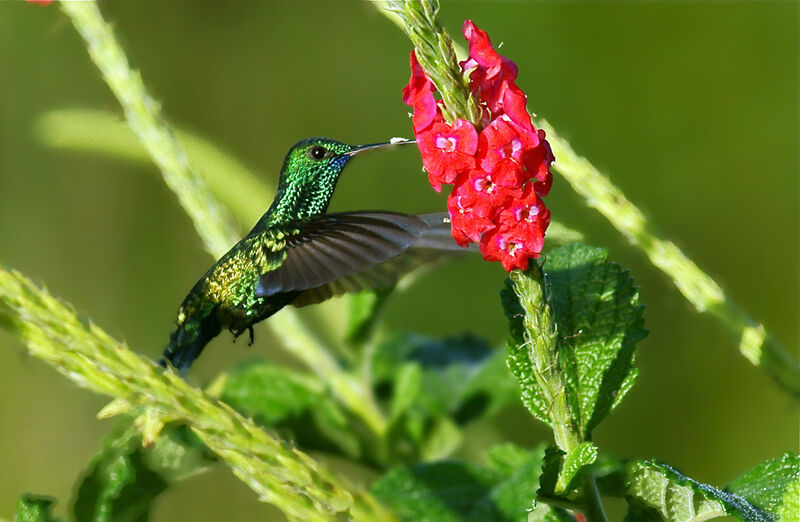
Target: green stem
695, 285
142, 113
539, 346
277, 471
599, 193
351, 391
594, 506
210, 219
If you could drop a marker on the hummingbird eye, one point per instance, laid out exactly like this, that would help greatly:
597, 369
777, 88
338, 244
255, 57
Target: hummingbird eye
317, 153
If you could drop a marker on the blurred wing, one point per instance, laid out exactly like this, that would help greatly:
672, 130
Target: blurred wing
350, 252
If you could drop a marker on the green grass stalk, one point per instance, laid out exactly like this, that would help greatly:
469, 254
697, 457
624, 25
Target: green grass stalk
279, 473
210, 219
418, 21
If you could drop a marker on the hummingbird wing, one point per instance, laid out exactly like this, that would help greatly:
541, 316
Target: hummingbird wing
348, 252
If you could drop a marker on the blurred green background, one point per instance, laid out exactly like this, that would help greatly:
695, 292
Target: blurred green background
691, 108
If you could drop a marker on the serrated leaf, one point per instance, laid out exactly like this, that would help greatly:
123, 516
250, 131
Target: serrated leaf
441, 492
34, 508
773, 486
460, 491
574, 462
288, 400
677, 498
599, 320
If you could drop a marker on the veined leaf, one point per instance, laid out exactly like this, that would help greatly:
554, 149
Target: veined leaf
460, 491
773, 486
655, 489
599, 320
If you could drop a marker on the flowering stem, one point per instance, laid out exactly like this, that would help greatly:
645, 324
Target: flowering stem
279, 473
540, 345
540, 337
435, 52
210, 219
695, 285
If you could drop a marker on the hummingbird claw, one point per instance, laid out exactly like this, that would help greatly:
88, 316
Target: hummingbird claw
252, 338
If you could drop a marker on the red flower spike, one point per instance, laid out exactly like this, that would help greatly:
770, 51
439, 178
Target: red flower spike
418, 94
448, 151
500, 170
40, 2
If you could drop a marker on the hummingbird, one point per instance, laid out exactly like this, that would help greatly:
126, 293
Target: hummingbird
299, 254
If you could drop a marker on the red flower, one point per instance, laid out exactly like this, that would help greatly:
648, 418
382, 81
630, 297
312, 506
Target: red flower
448, 151
491, 70
503, 141
470, 216
419, 95
520, 235
537, 161
500, 170
40, 2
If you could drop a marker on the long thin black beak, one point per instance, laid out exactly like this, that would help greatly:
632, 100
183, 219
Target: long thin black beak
392, 142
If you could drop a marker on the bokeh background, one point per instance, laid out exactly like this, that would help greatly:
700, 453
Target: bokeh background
690, 107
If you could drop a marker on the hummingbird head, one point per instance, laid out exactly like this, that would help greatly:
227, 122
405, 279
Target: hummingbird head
309, 175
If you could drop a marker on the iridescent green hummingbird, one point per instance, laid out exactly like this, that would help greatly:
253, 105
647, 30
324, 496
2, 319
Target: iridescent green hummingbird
299, 254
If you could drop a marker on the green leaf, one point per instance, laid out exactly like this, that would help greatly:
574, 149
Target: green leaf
291, 401
599, 320
462, 377
455, 491
584, 455
34, 508
124, 478
431, 387
773, 486
655, 488
364, 309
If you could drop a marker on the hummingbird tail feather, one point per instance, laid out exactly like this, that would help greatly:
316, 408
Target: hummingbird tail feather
437, 236
188, 340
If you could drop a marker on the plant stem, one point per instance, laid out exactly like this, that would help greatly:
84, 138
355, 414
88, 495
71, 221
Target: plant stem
350, 390
599, 193
278, 472
540, 348
594, 506
142, 112
696, 286
210, 219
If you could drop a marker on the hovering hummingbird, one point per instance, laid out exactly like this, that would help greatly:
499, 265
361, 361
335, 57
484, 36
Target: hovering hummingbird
298, 254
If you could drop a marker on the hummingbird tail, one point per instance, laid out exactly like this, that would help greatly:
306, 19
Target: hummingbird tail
188, 340
438, 235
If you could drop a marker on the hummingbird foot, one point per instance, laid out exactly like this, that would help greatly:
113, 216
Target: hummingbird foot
237, 333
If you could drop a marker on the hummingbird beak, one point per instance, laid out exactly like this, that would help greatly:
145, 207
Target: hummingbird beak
394, 141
